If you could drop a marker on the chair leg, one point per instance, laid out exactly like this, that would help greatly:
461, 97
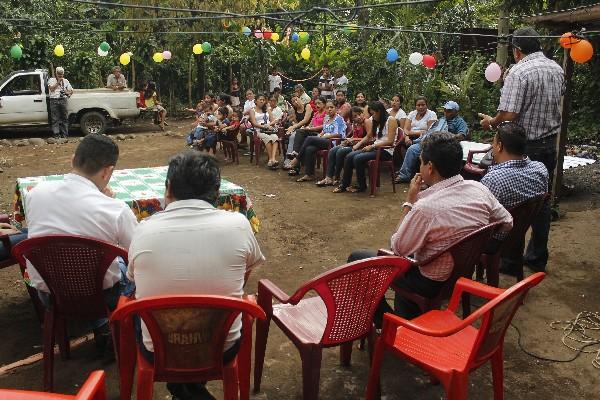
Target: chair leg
498, 374
458, 388
346, 353
372, 169
63, 339
49, 327
393, 174
230, 383
361, 344
244, 362
260, 346
311, 371
373, 384
325, 157
145, 384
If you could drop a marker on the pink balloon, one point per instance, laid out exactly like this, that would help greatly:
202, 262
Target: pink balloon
166, 55
258, 34
429, 61
493, 72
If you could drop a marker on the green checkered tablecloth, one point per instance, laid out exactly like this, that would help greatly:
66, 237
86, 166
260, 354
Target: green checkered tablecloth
143, 190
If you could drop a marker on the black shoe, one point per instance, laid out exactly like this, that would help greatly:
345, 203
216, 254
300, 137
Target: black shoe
535, 268
199, 391
507, 270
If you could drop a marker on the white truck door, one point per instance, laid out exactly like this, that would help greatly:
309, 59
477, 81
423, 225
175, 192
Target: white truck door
23, 101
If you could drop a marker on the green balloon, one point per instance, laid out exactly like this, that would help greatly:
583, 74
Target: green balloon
206, 47
104, 46
16, 52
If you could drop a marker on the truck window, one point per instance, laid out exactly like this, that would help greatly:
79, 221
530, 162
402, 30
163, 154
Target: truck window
23, 85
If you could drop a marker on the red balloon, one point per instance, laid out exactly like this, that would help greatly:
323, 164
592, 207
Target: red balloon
267, 35
429, 61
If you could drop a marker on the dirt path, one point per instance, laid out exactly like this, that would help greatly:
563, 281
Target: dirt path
304, 231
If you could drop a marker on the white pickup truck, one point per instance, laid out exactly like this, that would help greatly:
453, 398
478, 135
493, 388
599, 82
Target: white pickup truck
24, 102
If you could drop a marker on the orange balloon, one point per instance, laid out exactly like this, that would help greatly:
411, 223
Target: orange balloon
582, 51
567, 40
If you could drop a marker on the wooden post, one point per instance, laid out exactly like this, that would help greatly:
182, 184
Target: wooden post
503, 31
191, 105
562, 137
133, 79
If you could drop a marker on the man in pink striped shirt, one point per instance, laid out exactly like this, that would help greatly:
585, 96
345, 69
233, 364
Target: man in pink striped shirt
435, 218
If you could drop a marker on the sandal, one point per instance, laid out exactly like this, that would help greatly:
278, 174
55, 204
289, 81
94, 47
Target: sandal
354, 189
324, 182
336, 182
339, 189
293, 172
305, 178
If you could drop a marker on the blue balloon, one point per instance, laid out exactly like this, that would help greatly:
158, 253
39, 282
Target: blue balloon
246, 31
295, 37
392, 55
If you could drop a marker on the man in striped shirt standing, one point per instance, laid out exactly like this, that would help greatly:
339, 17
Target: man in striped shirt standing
531, 97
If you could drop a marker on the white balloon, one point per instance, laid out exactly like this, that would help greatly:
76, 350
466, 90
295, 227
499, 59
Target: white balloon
493, 72
102, 53
415, 58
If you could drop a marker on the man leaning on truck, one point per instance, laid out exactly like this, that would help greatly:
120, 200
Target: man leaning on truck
59, 90
116, 80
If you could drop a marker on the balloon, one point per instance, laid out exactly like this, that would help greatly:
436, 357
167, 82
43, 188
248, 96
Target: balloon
303, 36
392, 55
16, 52
415, 58
125, 58
275, 36
102, 53
429, 61
206, 47
59, 50
104, 46
130, 53
246, 31
493, 72
267, 35
582, 51
305, 53
567, 40
258, 34
352, 28
197, 49
167, 55
157, 57
295, 37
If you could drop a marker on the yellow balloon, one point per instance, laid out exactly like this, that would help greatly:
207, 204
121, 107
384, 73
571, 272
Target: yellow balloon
275, 36
197, 49
157, 57
305, 53
59, 50
125, 58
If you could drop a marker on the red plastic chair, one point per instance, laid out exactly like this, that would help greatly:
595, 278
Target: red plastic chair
513, 245
92, 389
465, 255
188, 334
470, 169
341, 312
374, 166
73, 268
6, 243
450, 348
230, 146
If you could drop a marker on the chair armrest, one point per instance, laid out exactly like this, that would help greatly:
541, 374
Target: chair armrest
464, 285
473, 152
123, 300
265, 285
385, 252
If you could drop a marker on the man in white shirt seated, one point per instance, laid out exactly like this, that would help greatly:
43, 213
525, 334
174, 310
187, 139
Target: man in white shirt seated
193, 248
82, 204
116, 80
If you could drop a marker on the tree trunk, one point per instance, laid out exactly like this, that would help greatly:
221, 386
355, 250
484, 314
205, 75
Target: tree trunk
190, 64
200, 75
503, 31
363, 20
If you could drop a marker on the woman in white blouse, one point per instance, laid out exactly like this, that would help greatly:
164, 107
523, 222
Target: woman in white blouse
396, 110
418, 121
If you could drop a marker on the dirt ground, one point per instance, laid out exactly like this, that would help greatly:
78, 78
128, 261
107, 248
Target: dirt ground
304, 231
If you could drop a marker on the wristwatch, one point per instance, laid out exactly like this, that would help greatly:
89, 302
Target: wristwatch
407, 204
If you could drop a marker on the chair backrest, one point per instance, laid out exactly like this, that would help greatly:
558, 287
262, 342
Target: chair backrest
499, 314
92, 389
188, 331
73, 268
523, 215
465, 254
351, 294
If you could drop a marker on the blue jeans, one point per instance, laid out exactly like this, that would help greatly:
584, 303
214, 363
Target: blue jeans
14, 239
358, 160
409, 165
335, 161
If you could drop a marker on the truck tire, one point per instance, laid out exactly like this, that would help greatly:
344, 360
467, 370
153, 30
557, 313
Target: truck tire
93, 122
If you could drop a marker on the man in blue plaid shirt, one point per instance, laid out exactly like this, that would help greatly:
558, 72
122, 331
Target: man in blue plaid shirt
531, 97
514, 178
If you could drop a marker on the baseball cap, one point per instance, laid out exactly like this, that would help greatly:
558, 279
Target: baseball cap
526, 40
451, 105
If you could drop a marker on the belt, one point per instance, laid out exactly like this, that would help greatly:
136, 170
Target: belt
545, 140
